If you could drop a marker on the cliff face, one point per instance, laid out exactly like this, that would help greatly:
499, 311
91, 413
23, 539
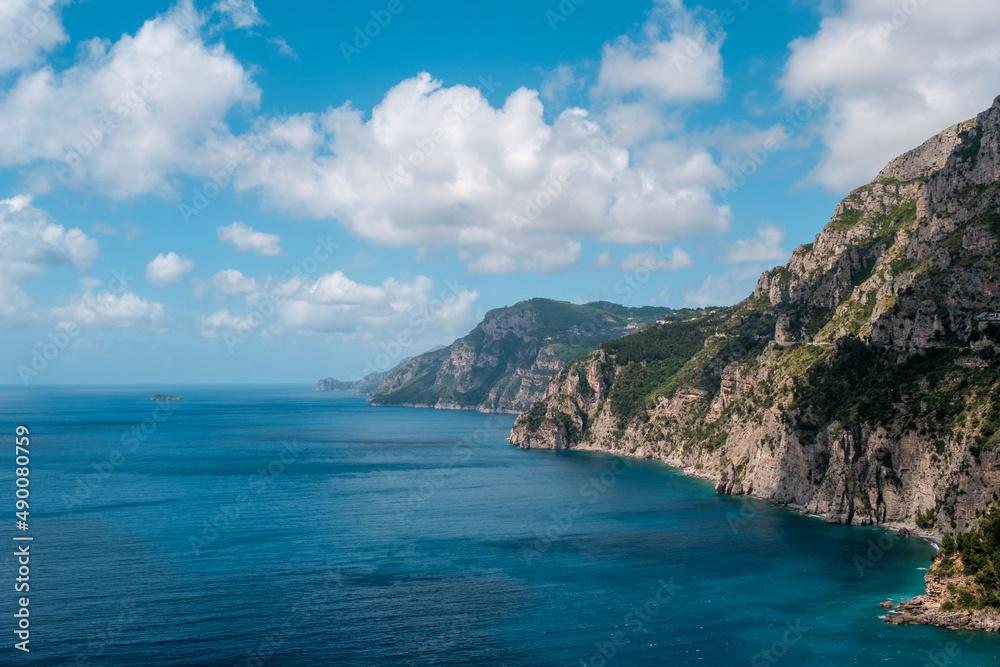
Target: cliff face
360, 387
505, 363
857, 383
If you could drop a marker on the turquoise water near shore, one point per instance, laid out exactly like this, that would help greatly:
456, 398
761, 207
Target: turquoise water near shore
281, 526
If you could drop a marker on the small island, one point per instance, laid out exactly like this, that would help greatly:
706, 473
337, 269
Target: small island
165, 397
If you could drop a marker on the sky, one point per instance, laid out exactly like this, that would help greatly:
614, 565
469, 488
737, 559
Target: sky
235, 191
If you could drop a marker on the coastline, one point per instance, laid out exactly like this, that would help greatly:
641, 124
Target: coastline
921, 610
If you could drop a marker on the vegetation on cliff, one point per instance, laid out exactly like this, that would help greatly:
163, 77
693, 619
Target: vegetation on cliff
505, 363
857, 382
860, 382
970, 564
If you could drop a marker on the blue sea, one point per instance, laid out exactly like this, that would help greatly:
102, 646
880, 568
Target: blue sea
279, 526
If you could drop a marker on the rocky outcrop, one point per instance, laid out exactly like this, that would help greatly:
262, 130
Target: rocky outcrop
855, 384
936, 607
506, 362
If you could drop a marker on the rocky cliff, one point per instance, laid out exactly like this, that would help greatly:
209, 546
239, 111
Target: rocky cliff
860, 382
360, 387
505, 363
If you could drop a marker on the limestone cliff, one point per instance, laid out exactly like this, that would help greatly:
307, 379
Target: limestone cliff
505, 363
858, 382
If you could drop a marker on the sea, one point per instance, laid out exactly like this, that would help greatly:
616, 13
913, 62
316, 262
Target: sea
276, 525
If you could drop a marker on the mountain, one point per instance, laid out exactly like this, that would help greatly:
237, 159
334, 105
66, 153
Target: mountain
504, 364
860, 382
364, 386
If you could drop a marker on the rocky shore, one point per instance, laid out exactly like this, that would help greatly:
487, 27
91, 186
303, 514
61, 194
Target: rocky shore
927, 609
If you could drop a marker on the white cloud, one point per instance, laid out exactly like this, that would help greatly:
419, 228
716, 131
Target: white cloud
243, 238
764, 246
657, 260
106, 310
283, 47
28, 29
231, 281
242, 13
29, 246
337, 306
128, 230
723, 289
895, 78
558, 83
128, 115
602, 261
437, 166
169, 269
221, 323
677, 59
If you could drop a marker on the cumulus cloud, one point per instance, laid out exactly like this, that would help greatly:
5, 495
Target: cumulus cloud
241, 13
106, 310
29, 28
128, 115
658, 260
897, 73
29, 246
243, 238
677, 59
231, 281
436, 166
169, 269
336, 305
764, 246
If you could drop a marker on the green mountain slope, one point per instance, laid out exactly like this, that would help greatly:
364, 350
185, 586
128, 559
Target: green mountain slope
858, 383
504, 364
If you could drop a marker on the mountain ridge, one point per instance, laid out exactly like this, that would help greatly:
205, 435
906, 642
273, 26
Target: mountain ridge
856, 383
504, 364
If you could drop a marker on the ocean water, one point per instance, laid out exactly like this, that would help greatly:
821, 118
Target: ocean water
280, 526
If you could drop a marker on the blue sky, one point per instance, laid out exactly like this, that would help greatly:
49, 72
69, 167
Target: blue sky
234, 191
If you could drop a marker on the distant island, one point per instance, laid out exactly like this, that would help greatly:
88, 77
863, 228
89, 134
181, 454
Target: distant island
165, 397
